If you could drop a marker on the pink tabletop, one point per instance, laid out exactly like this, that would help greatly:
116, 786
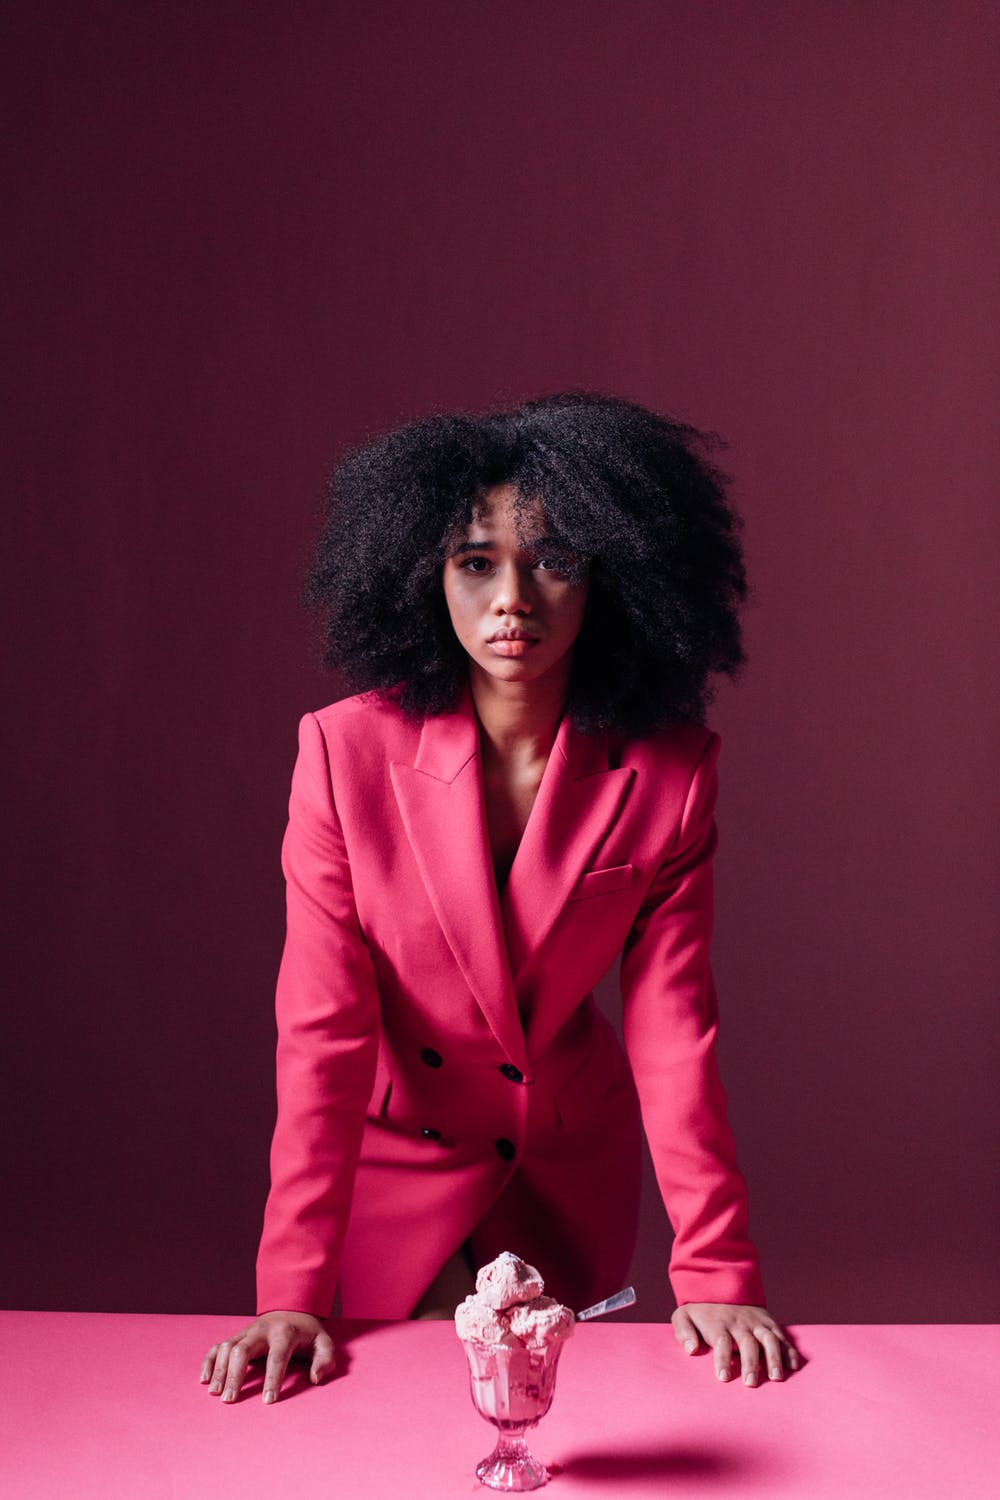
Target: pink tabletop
110, 1406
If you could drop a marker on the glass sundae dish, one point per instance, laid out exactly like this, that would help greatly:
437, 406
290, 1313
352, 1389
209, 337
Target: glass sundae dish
513, 1336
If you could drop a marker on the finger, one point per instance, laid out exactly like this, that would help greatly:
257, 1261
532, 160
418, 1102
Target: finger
280, 1352
221, 1366
723, 1350
208, 1364
791, 1356
685, 1331
239, 1358
749, 1357
771, 1344
324, 1360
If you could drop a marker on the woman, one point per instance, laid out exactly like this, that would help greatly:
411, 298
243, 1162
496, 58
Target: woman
533, 603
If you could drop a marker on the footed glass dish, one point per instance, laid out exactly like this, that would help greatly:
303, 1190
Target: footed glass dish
513, 1389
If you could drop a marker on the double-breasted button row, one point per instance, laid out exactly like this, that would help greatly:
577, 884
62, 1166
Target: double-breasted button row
433, 1059
505, 1149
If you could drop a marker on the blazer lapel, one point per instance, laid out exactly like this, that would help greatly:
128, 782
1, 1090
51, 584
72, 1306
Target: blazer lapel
576, 803
440, 799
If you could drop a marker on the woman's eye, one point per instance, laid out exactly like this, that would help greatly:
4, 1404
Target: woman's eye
474, 564
554, 564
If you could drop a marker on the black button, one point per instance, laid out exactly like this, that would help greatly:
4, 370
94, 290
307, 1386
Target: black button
505, 1149
431, 1058
514, 1074
429, 1134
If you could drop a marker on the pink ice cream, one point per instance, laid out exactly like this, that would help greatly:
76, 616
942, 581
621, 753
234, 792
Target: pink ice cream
541, 1322
508, 1280
508, 1307
483, 1325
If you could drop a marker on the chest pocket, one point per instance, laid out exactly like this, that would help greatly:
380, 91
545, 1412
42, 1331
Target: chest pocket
601, 882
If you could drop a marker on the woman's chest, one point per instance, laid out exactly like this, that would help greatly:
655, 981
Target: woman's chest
508, 801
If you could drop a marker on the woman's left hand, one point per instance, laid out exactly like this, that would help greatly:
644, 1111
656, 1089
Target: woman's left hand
730, 1329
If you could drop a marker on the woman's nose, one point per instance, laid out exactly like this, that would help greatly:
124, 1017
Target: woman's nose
513, 595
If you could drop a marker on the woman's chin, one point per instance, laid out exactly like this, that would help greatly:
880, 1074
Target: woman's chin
513, 671
521, 672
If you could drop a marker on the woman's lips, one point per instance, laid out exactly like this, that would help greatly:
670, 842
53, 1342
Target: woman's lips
512, 645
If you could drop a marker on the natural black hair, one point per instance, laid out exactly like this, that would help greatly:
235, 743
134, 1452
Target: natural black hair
633, 494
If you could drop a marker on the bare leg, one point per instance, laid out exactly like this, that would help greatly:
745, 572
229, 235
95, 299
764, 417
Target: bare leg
451, 1285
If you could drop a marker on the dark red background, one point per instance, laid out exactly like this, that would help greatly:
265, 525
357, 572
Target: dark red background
246, 235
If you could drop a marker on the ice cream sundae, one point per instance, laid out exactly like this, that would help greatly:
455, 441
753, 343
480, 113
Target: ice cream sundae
513, 1336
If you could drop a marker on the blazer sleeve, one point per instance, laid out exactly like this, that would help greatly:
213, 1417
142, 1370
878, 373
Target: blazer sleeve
670, 1024
328, 1029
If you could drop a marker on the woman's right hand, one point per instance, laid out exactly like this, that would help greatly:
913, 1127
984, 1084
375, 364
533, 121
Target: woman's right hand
279, 1335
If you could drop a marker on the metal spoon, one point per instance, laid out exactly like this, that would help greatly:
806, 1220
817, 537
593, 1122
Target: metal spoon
609, 1305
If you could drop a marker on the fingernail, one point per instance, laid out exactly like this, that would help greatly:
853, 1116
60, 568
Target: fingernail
723, 1374
690, 1346
775, 1372
229, 1395
268, 1397
215, 1387
749, 1378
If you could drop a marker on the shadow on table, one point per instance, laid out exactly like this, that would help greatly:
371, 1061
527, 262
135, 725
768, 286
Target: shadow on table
345, 1332
666, 1461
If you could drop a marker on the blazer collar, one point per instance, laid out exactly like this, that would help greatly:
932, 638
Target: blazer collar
577, 802
441, 802
440, 799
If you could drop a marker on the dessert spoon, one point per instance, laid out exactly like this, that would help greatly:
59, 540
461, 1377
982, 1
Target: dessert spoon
609, 1305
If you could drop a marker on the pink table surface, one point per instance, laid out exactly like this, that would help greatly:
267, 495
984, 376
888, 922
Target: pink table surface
110, 1405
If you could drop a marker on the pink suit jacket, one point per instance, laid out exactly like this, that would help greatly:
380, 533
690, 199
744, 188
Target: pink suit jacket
443, 1072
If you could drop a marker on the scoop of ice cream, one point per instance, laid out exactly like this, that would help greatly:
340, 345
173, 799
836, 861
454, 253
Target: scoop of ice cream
507, 1281
508, 1307
484, 1325
541, 1322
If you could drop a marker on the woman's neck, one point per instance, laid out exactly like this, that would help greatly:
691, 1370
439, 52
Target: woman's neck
518, 721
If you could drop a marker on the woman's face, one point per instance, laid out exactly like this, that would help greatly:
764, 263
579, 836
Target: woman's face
515, 594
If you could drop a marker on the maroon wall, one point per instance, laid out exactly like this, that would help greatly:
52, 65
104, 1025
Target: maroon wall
249, 234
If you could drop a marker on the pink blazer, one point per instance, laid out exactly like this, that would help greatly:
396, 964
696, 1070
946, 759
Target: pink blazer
443, 1072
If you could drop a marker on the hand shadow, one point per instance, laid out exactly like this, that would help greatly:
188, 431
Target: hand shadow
296, 1381
345, 1331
